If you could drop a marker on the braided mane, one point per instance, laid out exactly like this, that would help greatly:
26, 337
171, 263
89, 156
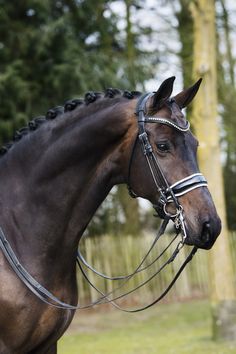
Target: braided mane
69, 105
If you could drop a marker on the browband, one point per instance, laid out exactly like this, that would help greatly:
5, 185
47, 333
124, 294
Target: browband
167, 122
142, 118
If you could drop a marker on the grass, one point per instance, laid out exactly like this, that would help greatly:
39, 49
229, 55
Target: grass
165, 329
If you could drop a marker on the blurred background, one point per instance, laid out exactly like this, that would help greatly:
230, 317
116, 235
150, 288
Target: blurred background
51, 51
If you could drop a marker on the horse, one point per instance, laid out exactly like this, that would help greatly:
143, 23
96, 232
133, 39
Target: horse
56, 173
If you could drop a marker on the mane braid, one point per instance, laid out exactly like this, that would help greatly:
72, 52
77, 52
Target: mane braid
69, 105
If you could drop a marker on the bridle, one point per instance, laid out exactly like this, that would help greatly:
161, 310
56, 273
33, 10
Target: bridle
167, 194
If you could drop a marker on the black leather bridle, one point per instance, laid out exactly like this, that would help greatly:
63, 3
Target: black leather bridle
167, 194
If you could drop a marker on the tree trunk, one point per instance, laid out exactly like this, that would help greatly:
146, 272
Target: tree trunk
205, 119
185, 30
130, 49
229, 55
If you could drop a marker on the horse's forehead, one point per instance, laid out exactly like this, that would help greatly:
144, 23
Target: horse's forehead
177, 115
172, 112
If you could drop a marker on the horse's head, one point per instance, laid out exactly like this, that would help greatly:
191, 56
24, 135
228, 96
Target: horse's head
164, 168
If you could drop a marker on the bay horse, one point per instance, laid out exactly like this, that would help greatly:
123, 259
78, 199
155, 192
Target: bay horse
58, 171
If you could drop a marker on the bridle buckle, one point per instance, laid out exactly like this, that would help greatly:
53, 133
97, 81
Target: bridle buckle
147, 148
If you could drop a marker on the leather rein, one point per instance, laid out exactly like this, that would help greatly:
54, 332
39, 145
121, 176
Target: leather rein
168, 194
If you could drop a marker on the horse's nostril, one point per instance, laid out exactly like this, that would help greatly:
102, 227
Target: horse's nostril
206, 232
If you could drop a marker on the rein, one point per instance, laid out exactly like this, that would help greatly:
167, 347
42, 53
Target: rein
168, 194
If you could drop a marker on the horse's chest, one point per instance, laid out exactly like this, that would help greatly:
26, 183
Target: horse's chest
28, 328
50, 326
25, 322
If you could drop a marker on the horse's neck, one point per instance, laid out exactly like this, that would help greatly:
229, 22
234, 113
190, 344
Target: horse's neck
53, 199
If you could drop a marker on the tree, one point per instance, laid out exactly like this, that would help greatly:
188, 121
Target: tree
52, 51
205, 113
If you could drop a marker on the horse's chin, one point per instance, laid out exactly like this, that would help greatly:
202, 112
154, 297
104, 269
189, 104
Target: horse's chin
199, 243
206, 237
192, 240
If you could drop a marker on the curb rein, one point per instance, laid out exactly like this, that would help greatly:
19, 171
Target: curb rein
168, 193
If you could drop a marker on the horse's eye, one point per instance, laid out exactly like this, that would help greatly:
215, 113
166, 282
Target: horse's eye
163, 147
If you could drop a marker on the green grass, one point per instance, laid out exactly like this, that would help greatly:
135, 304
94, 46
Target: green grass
165, 329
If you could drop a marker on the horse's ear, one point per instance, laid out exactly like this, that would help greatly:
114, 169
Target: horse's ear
186, 96
162, 94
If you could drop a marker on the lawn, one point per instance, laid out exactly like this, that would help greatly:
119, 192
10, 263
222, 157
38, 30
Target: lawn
165, 329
